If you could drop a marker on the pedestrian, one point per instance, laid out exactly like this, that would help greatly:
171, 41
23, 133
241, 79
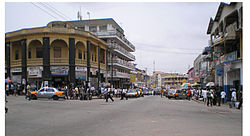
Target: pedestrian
66, 92
223, 96
109, 95
15, 89
204, 95
162, 92
233, 99
28, 92
209, 97
240, 97
218, 94
77, 93
189, 94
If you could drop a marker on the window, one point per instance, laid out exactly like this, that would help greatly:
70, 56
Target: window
84, 57
39, 52
92, 57
95, 57
57, 52
92, 29
79, 54
103, 28
29, 53
16, 55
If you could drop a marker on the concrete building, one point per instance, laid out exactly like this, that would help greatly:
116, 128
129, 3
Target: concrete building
174, 80
225, 32
157, 78
141, 78
57, 53
191, 75
119, 54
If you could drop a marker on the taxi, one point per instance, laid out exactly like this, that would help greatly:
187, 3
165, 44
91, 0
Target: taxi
48, 92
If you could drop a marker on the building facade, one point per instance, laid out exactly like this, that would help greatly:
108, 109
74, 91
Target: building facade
119, 54
174, 80
58, 54
225, 32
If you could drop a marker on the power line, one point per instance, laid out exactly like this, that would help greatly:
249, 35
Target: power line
57, 10
43, 10
45, 6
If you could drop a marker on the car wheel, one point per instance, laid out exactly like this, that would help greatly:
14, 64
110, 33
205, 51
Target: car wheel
55, 97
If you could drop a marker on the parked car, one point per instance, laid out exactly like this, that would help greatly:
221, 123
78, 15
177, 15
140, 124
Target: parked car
171, 93
47, 92
132, 93
180, 94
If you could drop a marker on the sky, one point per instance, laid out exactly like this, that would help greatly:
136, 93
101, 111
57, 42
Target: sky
168, 33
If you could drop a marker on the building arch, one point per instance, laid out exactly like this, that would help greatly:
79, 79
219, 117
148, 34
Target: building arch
81, 50
59, 51
34, 49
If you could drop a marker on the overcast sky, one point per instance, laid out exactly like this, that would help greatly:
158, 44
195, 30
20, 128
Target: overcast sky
171, 34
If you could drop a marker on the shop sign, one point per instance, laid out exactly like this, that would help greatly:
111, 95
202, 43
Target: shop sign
93, 71
16, 70
35, 71
231, 56
16, 78
59, 70
82, 69
222, 59
132, 78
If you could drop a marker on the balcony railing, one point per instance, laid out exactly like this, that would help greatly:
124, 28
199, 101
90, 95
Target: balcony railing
122, 50
123, 63
230, 33
114, 32
58, 61
15, 63
34, 62
118, 74
80, 62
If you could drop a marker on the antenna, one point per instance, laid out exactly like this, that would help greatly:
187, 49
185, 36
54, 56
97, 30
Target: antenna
79, 15
154, 65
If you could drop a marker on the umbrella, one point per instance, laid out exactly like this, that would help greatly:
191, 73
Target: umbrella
7, 81
209, 84
196, 84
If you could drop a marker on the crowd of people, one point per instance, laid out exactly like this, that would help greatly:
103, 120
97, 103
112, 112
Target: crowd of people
212, 96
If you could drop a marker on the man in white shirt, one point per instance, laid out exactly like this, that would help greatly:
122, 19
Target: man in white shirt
233, 99
223, 96
204, 95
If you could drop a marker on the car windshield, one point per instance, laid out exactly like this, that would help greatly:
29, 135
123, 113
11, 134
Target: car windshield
132, 91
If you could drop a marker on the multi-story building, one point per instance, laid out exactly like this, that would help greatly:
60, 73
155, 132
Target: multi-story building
119, 55
57, 53
174, 80
157, 78
225, 32
141, 78
191, 75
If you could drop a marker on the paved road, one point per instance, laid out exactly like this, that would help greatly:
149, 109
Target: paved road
147, 116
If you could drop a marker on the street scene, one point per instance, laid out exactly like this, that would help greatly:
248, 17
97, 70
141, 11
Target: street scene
124, 69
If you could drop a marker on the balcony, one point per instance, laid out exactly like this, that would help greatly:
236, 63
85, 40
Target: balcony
122, 63
121, 37
35, 62
15, 63
123, 52
80, 62
231, 31
117, 74
59, 61
218, 40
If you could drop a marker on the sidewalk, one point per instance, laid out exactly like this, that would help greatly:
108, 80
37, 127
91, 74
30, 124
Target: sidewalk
224, 106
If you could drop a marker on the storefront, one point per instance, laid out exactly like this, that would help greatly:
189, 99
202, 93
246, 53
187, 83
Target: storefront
16, 75
59, 75
35, 76
80, 75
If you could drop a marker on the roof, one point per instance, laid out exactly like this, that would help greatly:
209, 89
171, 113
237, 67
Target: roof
210, 26
111, 20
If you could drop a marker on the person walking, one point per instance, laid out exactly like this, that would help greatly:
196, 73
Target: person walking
162, 92
109, 95
189, 94
233, 99
209, 97
77, 93
223, 96
15, 89
28, 92
218, 94
204, 95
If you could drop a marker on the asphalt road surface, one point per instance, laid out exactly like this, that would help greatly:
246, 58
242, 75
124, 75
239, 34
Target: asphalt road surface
147, 116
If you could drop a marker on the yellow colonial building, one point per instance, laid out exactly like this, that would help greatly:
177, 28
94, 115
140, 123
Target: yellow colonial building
58, 53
